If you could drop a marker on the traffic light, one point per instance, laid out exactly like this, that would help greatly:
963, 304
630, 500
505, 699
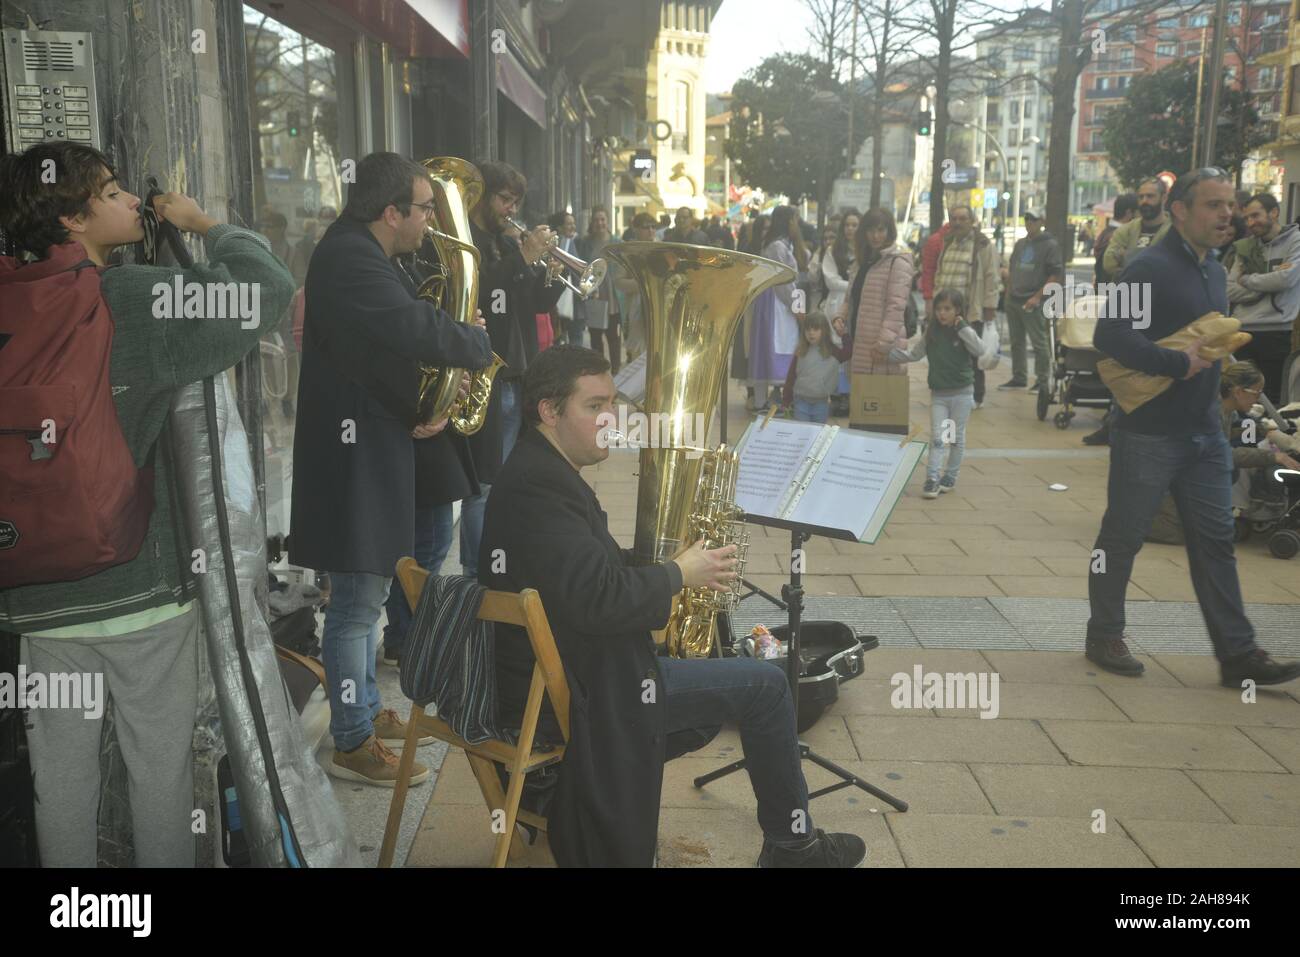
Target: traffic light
293, 123
923, 123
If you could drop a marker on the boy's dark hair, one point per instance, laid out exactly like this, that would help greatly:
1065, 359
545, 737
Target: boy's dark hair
502, 177
30, 208
383, 180
954, 297
554, 375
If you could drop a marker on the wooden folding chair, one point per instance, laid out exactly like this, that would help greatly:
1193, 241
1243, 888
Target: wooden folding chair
525, 610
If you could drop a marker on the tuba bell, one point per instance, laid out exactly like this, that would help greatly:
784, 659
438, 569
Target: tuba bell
693, 298
453, 287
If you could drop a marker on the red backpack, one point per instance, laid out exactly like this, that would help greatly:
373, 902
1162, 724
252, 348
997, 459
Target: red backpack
72, 501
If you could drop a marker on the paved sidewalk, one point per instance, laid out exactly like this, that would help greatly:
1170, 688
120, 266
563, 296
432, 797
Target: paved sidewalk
992, 579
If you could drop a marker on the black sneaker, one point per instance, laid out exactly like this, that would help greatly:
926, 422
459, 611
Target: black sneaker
1013, 384
1100, 437
390, 658
1111, 654
1258, 667
824, 850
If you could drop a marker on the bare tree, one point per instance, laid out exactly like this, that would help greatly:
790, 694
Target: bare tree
884, 39
949, 27
831, 33
1084, 28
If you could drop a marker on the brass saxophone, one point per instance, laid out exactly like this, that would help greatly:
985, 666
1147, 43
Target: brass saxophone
453, 287
693, 298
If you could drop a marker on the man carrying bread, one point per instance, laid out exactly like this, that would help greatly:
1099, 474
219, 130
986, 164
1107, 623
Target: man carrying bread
1174, 442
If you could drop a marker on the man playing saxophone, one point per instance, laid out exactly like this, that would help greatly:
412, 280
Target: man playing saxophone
630, 710
353, 510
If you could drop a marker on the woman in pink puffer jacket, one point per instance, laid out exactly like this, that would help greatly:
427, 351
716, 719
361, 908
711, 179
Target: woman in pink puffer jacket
878, 325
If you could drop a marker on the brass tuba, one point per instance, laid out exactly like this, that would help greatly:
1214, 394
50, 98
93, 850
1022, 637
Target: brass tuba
453, 286
692, 299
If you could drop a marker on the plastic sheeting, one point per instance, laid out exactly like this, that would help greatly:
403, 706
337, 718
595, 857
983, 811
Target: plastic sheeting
315, 824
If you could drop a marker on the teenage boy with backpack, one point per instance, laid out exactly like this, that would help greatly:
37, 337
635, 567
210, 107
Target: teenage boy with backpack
134, 622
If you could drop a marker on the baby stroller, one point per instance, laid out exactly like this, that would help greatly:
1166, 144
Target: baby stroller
1273, 507
1072, 372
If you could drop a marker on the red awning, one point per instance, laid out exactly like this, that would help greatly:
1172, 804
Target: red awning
513, 80
415, 28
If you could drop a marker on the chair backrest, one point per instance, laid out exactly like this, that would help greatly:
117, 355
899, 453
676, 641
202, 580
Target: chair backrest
509, 608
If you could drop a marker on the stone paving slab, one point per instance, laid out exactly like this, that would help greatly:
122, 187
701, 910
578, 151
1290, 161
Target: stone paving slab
460, 835
1283, 744
1070, 667
884, 663
1000, 741
1208, 706
697, 837
871, 696
1075, 792
1189, 844
1019, 699
1252, 798
1144, 745
941, 840
942, 787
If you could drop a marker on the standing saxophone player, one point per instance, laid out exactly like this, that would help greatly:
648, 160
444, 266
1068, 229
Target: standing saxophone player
353, 511
512, 290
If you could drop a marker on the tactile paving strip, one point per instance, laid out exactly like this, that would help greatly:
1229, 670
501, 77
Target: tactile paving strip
1038, 624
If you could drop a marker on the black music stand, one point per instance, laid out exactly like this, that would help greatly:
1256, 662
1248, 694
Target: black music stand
793, 595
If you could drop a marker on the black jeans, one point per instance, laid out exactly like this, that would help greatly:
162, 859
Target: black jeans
704, 693
599, 337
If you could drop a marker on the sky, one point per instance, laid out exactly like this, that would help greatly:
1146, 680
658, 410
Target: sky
745, 32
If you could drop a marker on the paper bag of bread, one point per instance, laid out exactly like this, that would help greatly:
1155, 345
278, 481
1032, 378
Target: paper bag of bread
1133, 389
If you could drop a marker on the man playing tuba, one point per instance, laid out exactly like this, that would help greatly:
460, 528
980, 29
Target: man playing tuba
630, 710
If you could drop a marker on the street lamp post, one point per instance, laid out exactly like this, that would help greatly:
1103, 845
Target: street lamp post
1020, 161
1005, 169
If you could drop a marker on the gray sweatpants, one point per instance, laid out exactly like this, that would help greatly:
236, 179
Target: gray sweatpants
152, 677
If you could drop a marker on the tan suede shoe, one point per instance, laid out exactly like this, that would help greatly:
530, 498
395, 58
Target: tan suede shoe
391, 729
373, 763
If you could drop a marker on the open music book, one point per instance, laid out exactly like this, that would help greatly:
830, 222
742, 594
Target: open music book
838, 483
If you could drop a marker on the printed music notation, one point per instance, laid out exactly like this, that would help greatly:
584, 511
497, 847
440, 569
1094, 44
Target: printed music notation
843, 483
771, 461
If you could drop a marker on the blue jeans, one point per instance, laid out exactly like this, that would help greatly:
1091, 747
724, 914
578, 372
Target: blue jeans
956, 408
433, 526
348, 645
808, 410
1197, 471
471, 509
707, 692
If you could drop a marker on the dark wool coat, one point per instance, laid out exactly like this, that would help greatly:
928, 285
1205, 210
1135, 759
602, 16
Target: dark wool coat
554, 537
506, 281
354, 501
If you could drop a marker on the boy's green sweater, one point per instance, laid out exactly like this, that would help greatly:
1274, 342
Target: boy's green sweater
151, 358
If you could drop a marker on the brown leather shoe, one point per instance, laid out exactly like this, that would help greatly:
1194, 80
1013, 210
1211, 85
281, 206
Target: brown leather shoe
372, 763
391, 729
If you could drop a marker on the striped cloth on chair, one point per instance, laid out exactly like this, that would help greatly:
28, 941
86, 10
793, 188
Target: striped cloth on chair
449, 659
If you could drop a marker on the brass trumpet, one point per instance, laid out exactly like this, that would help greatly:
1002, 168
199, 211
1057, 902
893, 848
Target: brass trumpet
590, 275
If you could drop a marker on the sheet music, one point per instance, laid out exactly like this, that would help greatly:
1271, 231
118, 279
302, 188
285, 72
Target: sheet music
771, 461
630, 381
851, 483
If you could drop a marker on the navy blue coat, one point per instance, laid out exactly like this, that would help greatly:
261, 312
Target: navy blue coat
354, 501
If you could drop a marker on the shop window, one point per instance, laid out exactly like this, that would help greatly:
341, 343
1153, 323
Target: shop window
294, 125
